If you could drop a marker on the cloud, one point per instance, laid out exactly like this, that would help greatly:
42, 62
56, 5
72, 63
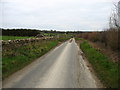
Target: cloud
56, 14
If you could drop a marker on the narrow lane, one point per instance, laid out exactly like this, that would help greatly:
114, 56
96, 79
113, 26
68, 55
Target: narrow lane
63, 67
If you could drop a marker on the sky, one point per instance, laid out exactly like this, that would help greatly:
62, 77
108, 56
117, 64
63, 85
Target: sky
68, 15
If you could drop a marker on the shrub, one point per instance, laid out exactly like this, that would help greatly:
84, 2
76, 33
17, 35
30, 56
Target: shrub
112, 39
109, 38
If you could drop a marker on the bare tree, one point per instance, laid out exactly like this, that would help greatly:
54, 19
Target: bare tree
114, 21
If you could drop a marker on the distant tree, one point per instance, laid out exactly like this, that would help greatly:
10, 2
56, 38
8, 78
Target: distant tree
20, 32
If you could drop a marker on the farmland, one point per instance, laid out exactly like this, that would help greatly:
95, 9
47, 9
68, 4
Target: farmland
13, 37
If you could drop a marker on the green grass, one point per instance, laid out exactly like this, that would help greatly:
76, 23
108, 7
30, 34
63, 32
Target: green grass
106, 70
13, 37
0, 37
15, 59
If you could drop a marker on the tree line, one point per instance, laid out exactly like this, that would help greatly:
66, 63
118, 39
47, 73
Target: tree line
33, 32
19, 32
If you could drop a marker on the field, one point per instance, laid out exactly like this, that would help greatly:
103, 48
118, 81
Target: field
106, 70
12, 37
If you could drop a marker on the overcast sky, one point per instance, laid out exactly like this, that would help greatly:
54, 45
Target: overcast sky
56, 14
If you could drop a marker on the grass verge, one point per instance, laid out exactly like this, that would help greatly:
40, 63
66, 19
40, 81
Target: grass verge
106, 70
17, 58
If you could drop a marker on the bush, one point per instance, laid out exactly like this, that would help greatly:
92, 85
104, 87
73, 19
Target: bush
109, 38
93, 36
112, 39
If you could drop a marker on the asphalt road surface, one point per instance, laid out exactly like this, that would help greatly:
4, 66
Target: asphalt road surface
62, 67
